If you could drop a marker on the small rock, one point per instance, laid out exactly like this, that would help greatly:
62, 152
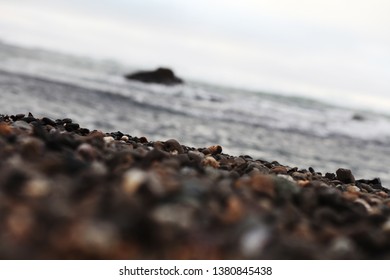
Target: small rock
345, 176
108, 139
330, 176
352, 189
299, 176
71, 126
210, 161
213, 150
279, 170
132, 180
67, 120
47, 121
173, 145
87, 151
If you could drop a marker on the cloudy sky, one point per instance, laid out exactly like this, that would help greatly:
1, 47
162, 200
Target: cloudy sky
330, 50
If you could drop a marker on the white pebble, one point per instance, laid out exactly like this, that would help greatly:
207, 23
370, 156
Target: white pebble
132, 180
108, 139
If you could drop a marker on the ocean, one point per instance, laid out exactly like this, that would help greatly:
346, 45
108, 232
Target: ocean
294, 131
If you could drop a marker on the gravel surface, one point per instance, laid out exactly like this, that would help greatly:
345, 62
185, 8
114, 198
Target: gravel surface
70, 193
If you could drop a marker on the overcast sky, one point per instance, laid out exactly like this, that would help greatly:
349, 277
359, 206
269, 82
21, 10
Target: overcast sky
333, 49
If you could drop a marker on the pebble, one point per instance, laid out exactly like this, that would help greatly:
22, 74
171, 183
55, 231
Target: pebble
210, 161
299, 176
37, 188
71, 126
132, 180
352, 189
279, 170
173, 146
345, 176
108, 139
87, 151
213, 150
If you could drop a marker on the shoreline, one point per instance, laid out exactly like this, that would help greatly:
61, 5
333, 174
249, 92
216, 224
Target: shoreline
71, 193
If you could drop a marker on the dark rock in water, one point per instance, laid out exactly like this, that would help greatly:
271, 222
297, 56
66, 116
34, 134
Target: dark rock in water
345, 176
160, 76
358, 117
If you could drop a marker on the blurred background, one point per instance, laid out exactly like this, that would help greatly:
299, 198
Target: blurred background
336, 50
302, 82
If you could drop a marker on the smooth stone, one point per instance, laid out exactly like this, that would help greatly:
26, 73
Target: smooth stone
87, 151
299, 176
108, 139
352, 189
279, 170
173, 145
47, 121
257, 167
210, 161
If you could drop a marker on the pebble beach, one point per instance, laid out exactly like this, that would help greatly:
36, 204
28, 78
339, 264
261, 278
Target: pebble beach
70, 192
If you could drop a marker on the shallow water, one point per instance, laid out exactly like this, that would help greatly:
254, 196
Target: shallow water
294, 131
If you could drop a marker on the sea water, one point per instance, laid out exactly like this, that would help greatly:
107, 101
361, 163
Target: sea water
291, 130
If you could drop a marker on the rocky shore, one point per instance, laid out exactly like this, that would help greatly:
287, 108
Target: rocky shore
67, 192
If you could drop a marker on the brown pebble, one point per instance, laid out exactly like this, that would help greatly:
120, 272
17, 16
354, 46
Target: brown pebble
87, 151
173, 145
234, 210
196, 156
31, 147
5, 129
299, 175
216, 149
351, 196
279, 170
303, 183
263, 184
143, 140
210, 161
352, 189
382, 194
